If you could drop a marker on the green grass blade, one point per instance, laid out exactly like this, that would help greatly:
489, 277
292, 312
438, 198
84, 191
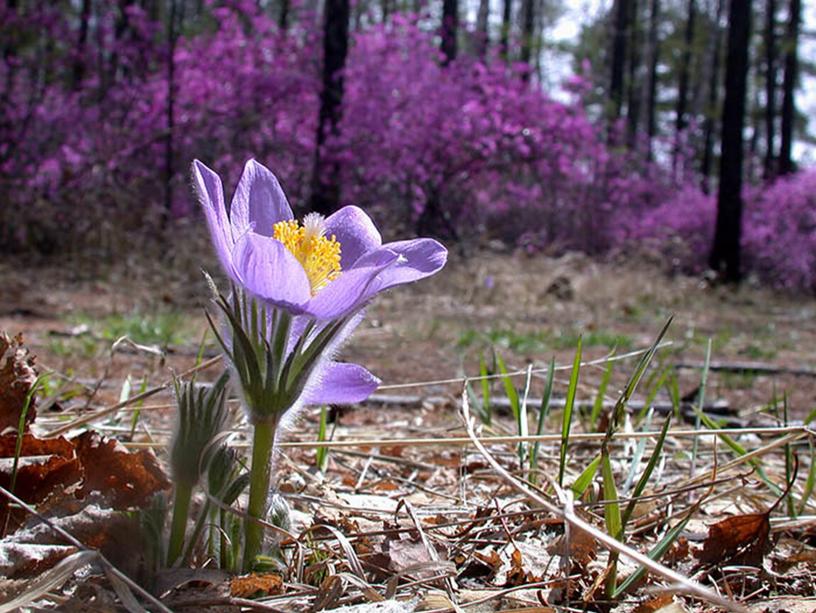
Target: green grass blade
647, 472
657, 552
18, 445
322, 454
634, 464
810, 482
566, 420
612, 515
634, 380
523, 426
487, 411
597, 407
653, 391
137, 408
739, 450
543, 411
789, 462
700, 405
509, 388
585, 478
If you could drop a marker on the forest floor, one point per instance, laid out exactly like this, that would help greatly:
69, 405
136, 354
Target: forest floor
435, 524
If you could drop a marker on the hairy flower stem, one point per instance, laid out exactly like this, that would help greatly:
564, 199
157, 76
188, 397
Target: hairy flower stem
181, 509
260, 473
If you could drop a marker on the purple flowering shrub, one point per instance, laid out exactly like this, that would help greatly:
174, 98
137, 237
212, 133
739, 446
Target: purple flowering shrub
464, 150
779, 231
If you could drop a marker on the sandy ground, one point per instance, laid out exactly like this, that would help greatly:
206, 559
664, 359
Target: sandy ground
528, 308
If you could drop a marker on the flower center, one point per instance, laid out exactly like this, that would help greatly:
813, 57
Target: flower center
319, 256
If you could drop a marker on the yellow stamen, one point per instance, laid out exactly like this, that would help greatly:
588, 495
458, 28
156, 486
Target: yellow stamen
319, 256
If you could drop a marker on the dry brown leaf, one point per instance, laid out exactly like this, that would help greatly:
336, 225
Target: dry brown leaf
528, 562
405, 553
266, 584
742, 539
88, 463
385, 486
582, 548
17, 376
33, 446
127, 479
654, 604
55, 467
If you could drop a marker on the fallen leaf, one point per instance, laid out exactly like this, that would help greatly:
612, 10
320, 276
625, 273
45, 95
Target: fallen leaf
527, 562
661, 604
127, 479
17, 376
742, 539
582, 548
266, 584
405, 554
88, 463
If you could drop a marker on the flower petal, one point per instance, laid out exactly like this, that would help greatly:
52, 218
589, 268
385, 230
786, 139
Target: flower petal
418, 258
355, 232
211, 196
341, 383
352, 288
259, 202
271, 272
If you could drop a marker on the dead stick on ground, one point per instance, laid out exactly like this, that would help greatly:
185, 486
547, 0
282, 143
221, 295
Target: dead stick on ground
612, 544
79, 545
138, 397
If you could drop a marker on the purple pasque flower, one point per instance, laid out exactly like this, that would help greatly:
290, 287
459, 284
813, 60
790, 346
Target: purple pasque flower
325, 268
313, 278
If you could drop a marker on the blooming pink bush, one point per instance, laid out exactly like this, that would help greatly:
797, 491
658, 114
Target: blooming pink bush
779, 232
466, 149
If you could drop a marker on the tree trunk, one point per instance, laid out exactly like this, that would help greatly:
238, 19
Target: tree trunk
786, 165
633, 98
725, 254
450, 25
770, 87
283, 16
682, 88
169, 169
326, 177
713, 99
82, 43
482, 19
651, 94
504, 41
527, 35
621, 16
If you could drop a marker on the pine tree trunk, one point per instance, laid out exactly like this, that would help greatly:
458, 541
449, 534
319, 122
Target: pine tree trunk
621, 17
482, 19
770, 87
725, 254
283, 16
527, 36
326, 176
450, 25
504, 41
633, 98
169, 166
681, 123
710, 122
651, 94
82, 41
786, 165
